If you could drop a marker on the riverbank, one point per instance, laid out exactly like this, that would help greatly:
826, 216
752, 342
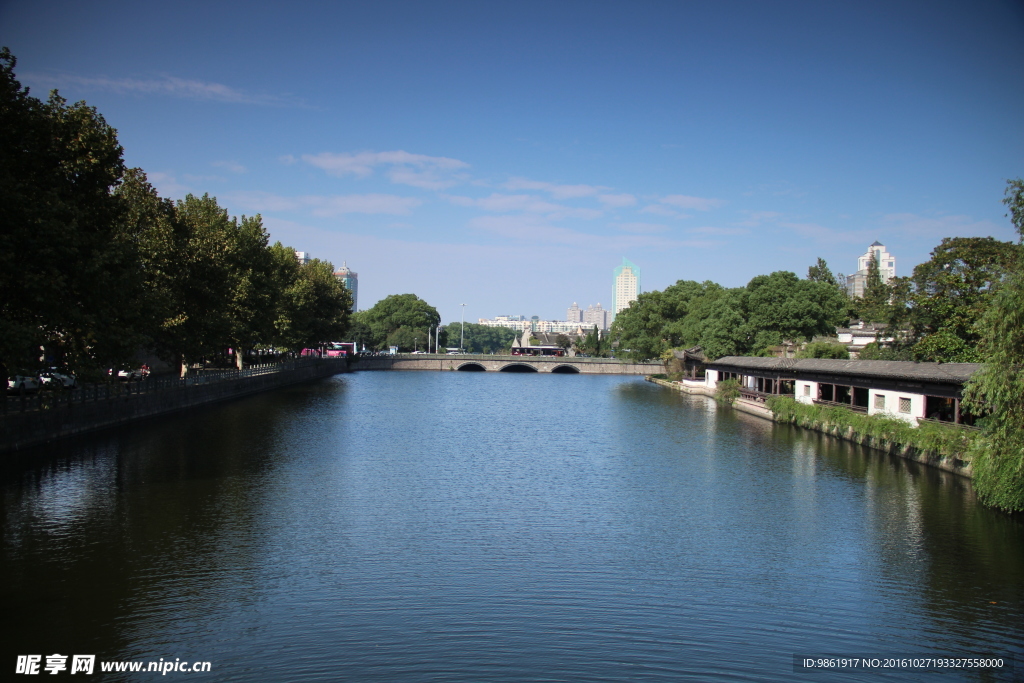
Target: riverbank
938, 446
46, 418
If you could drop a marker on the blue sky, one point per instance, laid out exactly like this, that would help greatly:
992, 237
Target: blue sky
508, 155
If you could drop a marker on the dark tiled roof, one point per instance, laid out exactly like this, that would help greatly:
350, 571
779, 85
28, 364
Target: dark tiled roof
956, 373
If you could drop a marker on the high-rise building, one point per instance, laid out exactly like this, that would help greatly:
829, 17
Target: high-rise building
350, 279
595, 315
303, 257
627, 286
574, 314
857, 283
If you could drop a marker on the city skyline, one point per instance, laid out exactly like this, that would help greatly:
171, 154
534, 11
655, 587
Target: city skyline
707, 141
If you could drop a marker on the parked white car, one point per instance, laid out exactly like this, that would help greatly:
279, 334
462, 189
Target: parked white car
20, 383
53, 377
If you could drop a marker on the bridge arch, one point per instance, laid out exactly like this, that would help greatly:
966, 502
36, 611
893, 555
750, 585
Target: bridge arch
518, 367
566, 369
471, 367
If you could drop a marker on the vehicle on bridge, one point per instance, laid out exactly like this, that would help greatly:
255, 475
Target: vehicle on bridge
538, 351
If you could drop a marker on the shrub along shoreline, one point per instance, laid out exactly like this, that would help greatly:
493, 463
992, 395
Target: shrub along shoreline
938, 445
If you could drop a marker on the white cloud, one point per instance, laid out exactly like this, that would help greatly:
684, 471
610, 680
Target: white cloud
534, 229
531, 228
686, 202
756, 218
232, 166
504, 203
555, 190
171, 86
167, 185
659, 210
710, 230
642, 227
617, 200
417, 170
823, 234
937, 227
327, 206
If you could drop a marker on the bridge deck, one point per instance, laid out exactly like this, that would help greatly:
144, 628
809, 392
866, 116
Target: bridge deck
489, 363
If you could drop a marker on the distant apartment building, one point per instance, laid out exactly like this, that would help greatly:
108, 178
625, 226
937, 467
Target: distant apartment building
350, 279
574, 314
626, 287
303, 257
592, 315
595, 315
512, 322
534, 324
857, 283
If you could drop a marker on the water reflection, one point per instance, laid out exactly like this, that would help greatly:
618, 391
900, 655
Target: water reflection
486, 526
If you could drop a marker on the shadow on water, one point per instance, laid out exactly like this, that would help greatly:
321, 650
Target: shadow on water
114, 523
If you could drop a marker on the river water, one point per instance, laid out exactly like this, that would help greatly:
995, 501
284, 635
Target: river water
429, 526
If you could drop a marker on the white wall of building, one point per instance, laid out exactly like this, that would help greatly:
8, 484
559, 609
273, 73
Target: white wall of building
901, 404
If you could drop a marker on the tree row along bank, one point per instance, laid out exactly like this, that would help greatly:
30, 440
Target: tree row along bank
96, 266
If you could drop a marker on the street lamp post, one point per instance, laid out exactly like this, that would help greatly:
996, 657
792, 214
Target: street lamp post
414, 344
462, 335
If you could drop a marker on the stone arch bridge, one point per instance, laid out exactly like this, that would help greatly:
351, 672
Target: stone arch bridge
486, 363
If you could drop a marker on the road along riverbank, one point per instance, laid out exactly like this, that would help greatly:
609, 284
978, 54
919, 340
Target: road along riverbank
45, 418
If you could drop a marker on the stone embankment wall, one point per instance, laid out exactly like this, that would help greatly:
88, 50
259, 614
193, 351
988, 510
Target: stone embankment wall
947, 462
69, 415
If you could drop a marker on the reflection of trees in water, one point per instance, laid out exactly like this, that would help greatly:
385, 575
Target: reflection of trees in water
933, 533
115, 526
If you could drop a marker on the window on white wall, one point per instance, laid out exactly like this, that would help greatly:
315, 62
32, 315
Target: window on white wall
879, 401
807, 390
904, 405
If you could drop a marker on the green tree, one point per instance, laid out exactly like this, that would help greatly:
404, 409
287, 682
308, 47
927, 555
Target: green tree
479, 338
781, 307
360, 332
151, 223
875, 351
998, 388
316, 307
951, 292
563, 341
874, 305
202, 282
820, 272
254, 286
399, 310
824, 349
67, 275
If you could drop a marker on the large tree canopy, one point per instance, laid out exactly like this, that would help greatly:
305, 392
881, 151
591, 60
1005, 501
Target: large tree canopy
998, 389
769, 310
951, 291
66, 273
394, 312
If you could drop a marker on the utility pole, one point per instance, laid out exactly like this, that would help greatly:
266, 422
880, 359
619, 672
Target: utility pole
462, 335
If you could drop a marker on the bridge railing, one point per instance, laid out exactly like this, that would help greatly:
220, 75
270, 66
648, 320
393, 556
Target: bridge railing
508, 357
